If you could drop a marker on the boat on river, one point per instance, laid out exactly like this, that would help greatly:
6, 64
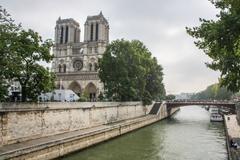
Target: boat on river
216, 117
213, 110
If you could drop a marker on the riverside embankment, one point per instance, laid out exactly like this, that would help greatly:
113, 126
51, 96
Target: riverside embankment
187, 135
232, 136
50, 130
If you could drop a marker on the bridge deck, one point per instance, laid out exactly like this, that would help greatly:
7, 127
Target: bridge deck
227, 104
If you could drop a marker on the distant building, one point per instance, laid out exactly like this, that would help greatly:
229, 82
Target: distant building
75, 62
65, 95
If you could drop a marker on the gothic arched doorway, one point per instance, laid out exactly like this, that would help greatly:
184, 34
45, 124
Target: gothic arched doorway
75, 87
91, 90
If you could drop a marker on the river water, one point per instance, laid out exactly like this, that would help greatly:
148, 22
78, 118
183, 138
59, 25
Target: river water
188, 135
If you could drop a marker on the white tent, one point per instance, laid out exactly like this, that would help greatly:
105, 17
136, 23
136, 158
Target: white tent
59, 95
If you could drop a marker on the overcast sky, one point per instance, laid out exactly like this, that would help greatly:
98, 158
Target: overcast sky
160, 24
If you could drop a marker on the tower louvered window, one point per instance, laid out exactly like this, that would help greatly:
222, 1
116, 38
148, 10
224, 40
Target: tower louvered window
96, 31
91, 34
61, 36
75, 35
66, 35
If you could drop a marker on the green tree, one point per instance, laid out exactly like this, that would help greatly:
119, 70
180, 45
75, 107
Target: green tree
7, 27
220, 40
223, 94
101, 96
115, 71
170, 97
20, 53
154, 79
84, 97
129, 73
3, 89
213, 92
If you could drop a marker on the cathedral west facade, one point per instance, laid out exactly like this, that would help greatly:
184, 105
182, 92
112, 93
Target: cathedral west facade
75, 61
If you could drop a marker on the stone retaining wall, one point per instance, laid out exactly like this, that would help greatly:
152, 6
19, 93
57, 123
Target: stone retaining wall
25, 121
65, 146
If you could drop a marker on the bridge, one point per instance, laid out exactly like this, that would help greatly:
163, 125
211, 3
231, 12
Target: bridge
221, 104
184, 103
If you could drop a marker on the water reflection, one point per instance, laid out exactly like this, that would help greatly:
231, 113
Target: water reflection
188, 135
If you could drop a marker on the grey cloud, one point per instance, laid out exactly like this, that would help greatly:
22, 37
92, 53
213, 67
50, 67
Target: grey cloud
191, 72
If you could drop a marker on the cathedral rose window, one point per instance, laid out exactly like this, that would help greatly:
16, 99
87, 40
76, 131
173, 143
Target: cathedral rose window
77, 65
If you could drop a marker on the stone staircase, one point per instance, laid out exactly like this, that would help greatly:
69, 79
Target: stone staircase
155, 108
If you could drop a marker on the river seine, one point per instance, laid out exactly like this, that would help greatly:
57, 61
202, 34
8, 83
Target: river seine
188, 135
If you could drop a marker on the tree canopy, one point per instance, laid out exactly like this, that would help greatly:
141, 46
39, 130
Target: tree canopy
220, 40
20, 53
170, 97
130, 73
213, 92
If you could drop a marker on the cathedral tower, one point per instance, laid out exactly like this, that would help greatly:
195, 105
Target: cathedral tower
67, 31
96, 29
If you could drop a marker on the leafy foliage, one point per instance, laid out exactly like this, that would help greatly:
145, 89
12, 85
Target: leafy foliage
101, 97
84, 97
6, 26
129, 73
220, 40
170, 97
213, 92
20, 53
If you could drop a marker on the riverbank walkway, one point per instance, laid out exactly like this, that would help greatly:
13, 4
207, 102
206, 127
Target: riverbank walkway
233, 135
17, 149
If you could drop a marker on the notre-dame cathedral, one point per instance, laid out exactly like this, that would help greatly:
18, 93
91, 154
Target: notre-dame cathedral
75, 61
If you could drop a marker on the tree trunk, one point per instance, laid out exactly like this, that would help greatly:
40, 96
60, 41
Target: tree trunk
24, 94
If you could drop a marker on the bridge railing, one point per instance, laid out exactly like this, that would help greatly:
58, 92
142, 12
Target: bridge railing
201, 101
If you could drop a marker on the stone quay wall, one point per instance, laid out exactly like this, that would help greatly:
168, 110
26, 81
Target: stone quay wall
26, 121
54, 148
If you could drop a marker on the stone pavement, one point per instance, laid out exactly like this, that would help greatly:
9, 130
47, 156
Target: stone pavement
232, 127
35, 144
232, 133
